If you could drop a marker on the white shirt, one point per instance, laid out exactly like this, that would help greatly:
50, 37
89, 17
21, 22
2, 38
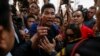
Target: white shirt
9, 54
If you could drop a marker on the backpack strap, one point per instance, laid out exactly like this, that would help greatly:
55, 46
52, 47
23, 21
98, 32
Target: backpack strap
76, 46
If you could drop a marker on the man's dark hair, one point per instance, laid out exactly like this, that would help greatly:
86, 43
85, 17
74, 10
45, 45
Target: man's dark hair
31, 16
92, 7
48, 5
4, 14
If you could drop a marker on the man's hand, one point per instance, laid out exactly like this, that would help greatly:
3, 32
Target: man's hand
46, 45
42, 31
59, 37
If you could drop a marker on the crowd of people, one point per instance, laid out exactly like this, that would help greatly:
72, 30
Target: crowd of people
28, 32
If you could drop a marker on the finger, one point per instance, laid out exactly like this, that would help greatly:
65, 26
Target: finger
40, 46
43, 34
46, 39
42, 43
54, 42
44, 31
42, 28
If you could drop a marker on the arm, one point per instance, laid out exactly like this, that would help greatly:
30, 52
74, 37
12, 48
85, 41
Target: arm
25, 48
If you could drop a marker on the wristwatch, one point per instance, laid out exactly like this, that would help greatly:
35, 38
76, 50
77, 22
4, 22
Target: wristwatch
53, 53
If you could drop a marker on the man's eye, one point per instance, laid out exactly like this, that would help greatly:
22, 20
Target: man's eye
46, 13
76, 16
52, 13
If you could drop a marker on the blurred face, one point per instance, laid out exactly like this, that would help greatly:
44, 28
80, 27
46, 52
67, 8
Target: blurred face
69, 31
57, 21
97, 2
48, 16
30, 21
33, 9
65, 22
6, 41
91, 13
77, 17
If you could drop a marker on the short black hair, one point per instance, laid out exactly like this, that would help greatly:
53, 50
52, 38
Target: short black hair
48, 5
31, 16
4, 14
92, 7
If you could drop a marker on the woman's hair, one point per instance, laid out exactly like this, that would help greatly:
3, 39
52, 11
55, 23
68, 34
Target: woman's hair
80, 11
75, 30
48, 5
4, 14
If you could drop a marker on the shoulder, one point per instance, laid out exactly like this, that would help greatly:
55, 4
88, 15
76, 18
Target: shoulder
34, 25
85, 27
55, 26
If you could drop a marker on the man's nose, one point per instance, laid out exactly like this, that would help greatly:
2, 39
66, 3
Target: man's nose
75, 18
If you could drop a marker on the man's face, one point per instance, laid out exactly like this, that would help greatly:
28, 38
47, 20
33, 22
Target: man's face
6, 41
48, 16
33, 8
91, 13
30, 21
78, 17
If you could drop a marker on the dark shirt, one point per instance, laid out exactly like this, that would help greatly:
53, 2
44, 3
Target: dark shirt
90, 23
26, 50
52, 32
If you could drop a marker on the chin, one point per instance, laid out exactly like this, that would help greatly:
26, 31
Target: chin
49, 23
3, 52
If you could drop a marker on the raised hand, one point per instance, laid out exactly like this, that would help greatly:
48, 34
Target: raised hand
46, 45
